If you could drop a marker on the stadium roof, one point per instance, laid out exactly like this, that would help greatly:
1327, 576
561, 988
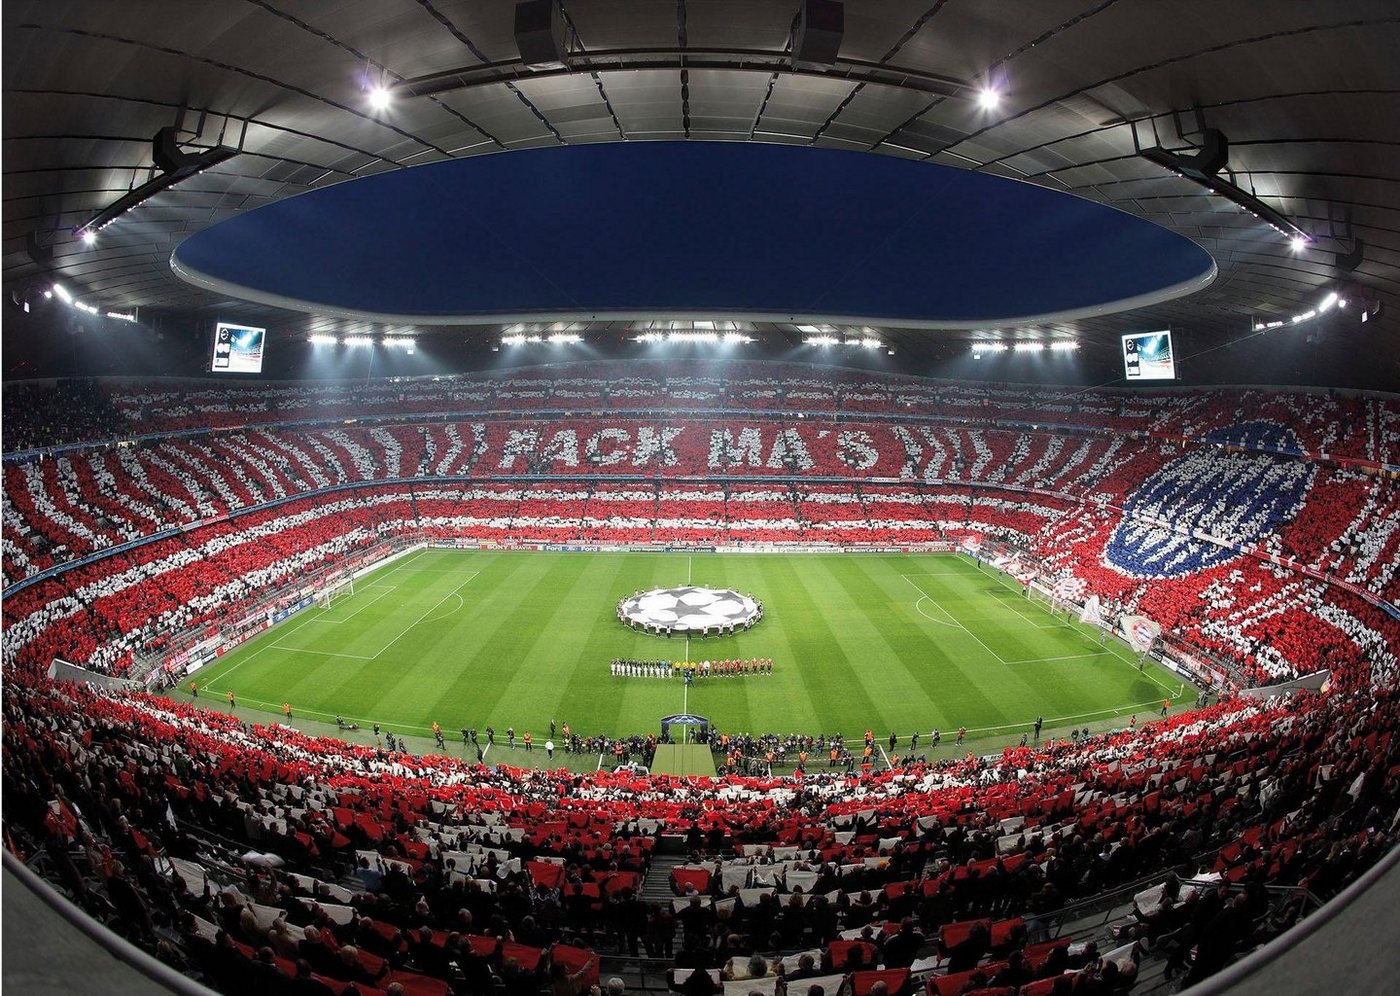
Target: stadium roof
1306, 94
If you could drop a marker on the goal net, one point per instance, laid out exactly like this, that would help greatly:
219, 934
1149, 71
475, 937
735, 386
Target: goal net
334, 593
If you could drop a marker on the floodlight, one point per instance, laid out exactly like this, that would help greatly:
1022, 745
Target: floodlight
379, 98
988, 98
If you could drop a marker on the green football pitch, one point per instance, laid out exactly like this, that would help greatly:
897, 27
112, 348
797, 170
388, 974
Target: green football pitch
895, 643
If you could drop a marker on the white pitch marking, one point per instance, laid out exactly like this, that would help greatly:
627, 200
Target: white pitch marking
323, 653
404, 563
1058, 720
433, 570
954, 618
941, 622
1009, 605
460, 605
402, 633
1066, 657
266, 646
426, 614
337, 622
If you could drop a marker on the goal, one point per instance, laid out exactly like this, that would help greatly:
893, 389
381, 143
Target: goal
334, 592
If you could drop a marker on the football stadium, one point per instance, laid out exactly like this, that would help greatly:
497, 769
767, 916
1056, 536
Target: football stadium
793, 497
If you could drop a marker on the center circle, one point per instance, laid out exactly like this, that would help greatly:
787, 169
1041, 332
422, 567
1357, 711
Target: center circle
691, 610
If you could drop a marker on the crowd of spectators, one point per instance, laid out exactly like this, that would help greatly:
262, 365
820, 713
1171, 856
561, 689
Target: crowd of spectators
262, 856
1273, 621
379, 869
86, 411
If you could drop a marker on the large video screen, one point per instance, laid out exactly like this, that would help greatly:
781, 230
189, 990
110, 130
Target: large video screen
238, 348
1148, 356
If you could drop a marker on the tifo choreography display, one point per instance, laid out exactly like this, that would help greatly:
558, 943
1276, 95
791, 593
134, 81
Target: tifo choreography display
1109, 504
689, 610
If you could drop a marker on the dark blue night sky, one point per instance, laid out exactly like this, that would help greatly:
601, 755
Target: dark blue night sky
693, 227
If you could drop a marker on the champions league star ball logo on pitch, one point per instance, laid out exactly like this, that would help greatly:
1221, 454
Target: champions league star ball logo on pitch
690, 609
1248, 494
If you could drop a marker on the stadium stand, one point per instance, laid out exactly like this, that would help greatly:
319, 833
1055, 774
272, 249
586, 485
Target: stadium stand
261, 856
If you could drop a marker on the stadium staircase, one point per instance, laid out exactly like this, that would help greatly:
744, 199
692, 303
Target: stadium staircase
583, 512
656, 887
796, 500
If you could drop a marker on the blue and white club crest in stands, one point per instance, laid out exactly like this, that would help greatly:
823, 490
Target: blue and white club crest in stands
689, 609
1243, 496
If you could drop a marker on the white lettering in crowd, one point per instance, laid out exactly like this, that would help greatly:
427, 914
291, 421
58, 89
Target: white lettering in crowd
520, 442
620, 438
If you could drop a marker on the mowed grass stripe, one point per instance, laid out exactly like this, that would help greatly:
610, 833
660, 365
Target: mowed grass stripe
761, 703
533, 636
532, 690
973, 679
830, 679
886, 665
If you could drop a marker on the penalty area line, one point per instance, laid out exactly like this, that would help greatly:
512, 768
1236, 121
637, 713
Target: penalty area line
254, 653
959, 623
377, 597
404, 631
1066, 657
1057, 720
